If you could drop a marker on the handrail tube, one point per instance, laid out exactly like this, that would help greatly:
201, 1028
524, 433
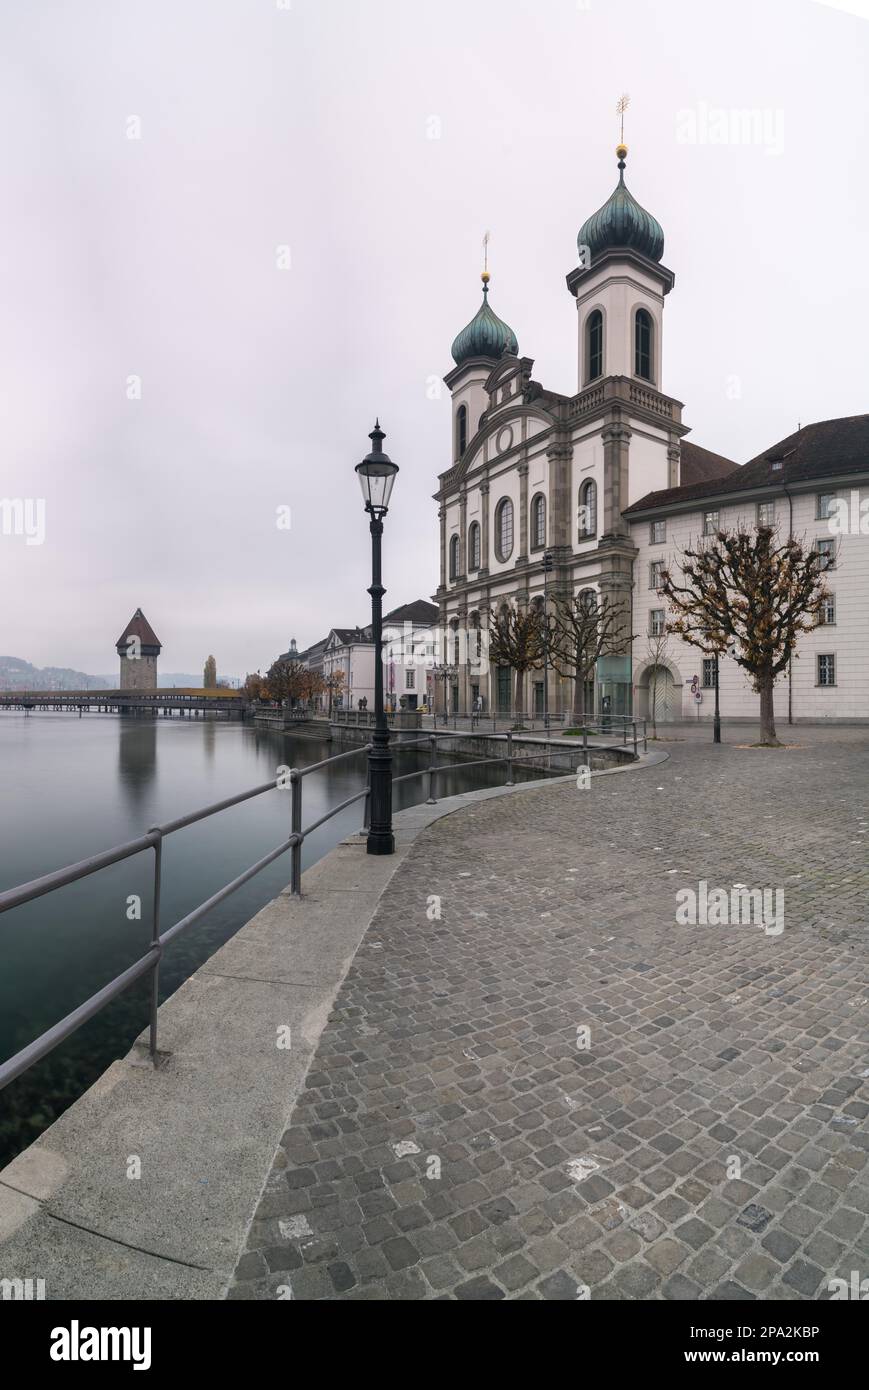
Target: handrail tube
333, 811
184, 922
59, 878
41, 1046
336, 757
172, 825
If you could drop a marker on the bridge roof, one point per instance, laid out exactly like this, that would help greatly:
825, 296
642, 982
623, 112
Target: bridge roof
138, 626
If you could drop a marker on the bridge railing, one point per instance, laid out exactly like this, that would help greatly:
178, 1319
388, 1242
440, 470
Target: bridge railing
153, 839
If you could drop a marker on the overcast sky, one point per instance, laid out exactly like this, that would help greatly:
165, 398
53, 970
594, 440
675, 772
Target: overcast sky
265, 125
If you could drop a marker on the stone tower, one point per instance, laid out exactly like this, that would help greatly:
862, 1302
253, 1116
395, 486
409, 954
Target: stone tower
138, 647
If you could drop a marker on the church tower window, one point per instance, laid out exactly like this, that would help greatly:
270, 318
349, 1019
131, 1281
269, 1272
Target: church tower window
587, 509
594, 341
504, 528
643, 344
461, 430
454, 557
474, 546
538, 522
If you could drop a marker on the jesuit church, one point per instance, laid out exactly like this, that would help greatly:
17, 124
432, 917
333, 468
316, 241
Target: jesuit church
605, 484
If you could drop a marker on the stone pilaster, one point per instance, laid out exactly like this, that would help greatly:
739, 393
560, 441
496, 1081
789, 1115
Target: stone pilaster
442, 518
484, 529
522, 557
616, 446
561, 512
674, 459
463, 533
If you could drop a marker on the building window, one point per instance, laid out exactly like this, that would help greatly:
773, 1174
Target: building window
710, 523
594, 341
826, 670
461, 430
827, 551
474, 546
504, 529
657, 623
456, 644
410, 681
656, 574
588, 601
825, 507
454, 556
538, 522
657, 533
766, 513
587, 509
709, 672
643, 344
827, 611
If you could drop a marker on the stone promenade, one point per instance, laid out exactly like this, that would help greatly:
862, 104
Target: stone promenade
536, 1084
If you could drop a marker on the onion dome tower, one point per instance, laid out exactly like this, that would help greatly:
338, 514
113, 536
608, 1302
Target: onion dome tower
486, 335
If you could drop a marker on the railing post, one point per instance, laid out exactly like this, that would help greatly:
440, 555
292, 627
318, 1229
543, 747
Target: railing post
635, 737
645, 743
509, 781
432, 774
585, 742
155, 941
296, 829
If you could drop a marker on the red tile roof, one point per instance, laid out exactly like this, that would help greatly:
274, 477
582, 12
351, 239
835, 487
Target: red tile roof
138, 626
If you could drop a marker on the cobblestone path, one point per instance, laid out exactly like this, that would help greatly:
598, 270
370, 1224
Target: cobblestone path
456, 1139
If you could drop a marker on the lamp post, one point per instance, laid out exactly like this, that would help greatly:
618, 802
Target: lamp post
444, 671
547, 569
716, 722
376, 475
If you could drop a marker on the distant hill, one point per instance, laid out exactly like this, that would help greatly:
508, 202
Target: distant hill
16, 674
184, 680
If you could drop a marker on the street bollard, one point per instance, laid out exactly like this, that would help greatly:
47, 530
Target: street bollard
296, 829
432, 773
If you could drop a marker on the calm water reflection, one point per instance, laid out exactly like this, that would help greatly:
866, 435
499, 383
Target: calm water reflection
72, 787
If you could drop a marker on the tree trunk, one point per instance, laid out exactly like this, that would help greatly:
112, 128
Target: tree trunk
767, 716
520, 695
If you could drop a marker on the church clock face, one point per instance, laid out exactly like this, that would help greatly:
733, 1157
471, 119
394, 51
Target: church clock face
504, 439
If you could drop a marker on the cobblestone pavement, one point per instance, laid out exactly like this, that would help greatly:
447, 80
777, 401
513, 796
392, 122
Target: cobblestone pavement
456, 1140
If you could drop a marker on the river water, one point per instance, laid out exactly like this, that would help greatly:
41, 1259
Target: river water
74, 786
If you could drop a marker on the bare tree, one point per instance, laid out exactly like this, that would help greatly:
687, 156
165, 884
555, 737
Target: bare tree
581, 630
657, 651
516, 639
746, 588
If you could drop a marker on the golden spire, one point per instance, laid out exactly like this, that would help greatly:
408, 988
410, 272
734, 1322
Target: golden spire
621, 107
485, 277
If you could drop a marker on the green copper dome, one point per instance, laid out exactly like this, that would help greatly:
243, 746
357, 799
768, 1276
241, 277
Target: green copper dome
486, 335
621, 222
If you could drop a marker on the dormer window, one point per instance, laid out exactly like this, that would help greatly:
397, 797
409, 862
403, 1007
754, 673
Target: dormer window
594, 345
643, 344
461, 430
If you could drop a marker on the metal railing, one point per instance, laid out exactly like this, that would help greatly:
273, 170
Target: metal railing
153, 839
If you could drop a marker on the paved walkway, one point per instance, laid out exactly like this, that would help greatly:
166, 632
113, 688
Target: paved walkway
458, 1139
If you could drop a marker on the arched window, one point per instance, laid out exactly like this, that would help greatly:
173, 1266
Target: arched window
474, 546
587, 509
588, 600
538, 522
643, 345
461, 430
454, 556
594, 345
504, 529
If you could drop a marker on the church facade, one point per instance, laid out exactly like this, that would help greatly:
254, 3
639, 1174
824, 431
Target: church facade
594, 494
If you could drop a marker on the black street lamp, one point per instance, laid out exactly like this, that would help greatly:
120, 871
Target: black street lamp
716, 722
548, 566
376, 475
